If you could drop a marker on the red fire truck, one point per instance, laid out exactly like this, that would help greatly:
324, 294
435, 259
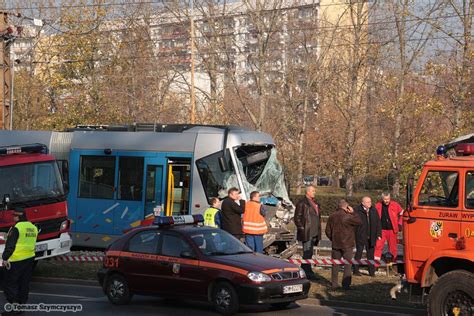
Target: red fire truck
30, 178
438, 229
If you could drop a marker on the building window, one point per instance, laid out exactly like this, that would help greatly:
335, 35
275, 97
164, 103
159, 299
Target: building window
130, 178
97, 177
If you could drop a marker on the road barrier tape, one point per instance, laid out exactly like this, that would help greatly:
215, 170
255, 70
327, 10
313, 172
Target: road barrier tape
71, 258
318, 262
331, 262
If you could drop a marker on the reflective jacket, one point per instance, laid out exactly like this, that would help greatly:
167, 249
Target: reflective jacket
212, 217
25, 245
253, 221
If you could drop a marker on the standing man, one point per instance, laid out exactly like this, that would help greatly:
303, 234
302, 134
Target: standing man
212, 216
232, 209
391, 221
19, 258
254, 225
341, 229
368, 233
308, 224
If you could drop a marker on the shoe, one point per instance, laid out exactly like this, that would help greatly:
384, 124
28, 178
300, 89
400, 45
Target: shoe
346, 288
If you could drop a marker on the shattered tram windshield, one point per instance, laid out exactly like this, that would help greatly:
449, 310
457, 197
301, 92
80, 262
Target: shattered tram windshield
261, 171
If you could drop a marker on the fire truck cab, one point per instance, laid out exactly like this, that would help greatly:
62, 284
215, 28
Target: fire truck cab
30, 179
438, 229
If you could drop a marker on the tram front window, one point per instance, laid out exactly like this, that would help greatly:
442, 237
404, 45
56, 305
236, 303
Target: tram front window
215, 181
261, 171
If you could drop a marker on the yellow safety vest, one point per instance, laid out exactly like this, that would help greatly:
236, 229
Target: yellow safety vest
209, 217
25, 245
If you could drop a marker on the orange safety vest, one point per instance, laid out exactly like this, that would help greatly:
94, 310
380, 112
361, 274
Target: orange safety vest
253, 221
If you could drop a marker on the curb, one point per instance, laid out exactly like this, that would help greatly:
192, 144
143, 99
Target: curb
65, 281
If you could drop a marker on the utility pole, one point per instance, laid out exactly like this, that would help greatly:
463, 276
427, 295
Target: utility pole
5, 73
193, 95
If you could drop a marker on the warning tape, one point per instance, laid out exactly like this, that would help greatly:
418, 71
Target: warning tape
330, 262
78, 258
320, 261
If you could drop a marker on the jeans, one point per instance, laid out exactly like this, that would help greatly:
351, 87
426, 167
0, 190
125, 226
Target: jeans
347, 278
255, 242
370, 256
308, 249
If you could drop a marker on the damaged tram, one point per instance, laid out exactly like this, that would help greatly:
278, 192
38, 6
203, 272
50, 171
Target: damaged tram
120, 176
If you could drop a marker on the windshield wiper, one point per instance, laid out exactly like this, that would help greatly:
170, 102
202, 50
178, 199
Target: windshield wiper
240, 252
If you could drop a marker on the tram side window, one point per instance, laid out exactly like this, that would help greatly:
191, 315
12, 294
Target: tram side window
130, 178
440, 188
214, 180
97, 177
470, 189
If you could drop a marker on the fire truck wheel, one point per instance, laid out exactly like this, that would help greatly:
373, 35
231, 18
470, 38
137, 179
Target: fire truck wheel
117, 290
452, 294
225, 299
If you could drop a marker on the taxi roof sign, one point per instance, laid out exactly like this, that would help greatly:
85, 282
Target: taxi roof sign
178, 220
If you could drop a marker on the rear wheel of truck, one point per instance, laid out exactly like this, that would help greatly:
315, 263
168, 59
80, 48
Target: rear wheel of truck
452, 294
117, 290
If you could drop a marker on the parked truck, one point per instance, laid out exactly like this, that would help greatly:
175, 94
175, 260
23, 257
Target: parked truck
30, 179
438, 230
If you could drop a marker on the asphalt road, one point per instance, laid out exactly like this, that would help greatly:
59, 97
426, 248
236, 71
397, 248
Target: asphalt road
94, 302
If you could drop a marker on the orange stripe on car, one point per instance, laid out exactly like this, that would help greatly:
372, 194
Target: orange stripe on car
179, 260
222, 267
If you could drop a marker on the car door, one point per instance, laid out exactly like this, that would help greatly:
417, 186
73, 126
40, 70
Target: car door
140, 263
183, 273
437, 213
467, 228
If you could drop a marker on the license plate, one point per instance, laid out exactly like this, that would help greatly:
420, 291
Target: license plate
293, 289
41, 247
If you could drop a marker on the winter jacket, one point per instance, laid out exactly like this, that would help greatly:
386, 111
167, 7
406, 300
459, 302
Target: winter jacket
395, 212
341, 229
303, 219
231, 216
371, 228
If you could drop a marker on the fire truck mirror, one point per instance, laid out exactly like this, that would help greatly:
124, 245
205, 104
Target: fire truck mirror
5, 201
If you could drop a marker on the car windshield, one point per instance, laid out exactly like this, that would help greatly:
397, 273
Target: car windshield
216, 242
27, 183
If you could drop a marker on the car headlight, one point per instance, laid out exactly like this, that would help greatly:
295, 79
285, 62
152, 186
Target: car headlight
302, 274
64, 225
258, 277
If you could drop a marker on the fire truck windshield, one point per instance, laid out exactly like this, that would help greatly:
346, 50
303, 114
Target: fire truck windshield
31, 183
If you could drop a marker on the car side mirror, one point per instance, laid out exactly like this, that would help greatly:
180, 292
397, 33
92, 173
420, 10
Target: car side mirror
5, 201
187, 255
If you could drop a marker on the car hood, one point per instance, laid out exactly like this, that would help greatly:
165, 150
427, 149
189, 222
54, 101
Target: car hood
253, 262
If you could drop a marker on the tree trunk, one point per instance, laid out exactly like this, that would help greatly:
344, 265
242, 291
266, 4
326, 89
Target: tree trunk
301, 144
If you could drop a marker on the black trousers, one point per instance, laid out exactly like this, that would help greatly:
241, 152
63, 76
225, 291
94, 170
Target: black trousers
17, 281
370, 250
308, 250
347, 277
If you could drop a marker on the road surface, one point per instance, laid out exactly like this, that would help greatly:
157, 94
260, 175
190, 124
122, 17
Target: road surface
94, 302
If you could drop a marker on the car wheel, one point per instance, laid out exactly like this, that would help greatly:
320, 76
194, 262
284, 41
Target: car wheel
452, 294
225, 299
282, 305
117, 290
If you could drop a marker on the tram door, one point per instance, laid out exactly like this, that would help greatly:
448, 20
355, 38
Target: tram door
155, 193
178, 187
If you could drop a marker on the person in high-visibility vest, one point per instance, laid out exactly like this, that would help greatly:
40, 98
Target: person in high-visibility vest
19, 257
212, 216
254, 226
